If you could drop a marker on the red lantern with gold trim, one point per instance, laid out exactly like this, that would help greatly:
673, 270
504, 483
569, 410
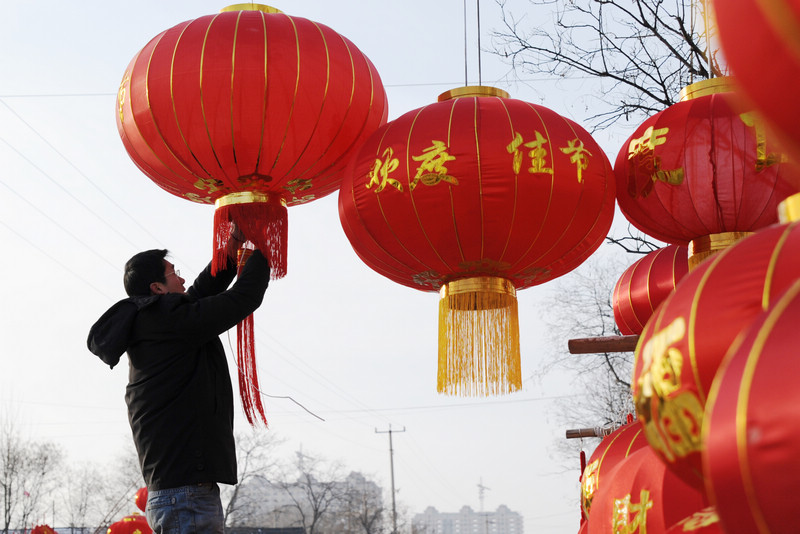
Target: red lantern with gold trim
641, 495
477, 196
43, 529
645, 284
140, 499
761, 62
702, 173
253, 110
752, 429
613, 449
130, 524
683, 344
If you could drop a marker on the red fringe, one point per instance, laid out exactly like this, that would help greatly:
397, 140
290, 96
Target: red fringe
249, 390
265, 224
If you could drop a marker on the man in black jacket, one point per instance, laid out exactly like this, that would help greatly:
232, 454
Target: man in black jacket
179, 394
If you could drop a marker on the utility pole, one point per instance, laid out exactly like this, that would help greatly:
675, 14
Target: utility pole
391, 466
481, 492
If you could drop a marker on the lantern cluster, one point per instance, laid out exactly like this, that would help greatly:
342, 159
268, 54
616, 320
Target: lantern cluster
477, 196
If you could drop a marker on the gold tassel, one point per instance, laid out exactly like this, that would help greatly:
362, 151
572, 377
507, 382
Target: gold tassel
478, 337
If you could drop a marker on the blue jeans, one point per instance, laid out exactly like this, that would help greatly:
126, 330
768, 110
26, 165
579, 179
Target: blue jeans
193, 509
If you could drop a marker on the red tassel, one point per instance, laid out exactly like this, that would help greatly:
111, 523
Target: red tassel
249, 390
265, 224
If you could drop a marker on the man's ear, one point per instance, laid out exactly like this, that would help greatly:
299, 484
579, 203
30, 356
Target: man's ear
157, 288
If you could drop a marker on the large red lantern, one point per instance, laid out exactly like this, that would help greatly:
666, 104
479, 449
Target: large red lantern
645, 284
752, 428
131, 524
253, 110
766, 63
702, 173
683, 344
641, 495
613, 449
477, 196
43, 529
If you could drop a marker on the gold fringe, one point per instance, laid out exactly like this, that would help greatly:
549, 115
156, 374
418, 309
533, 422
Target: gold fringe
479, 351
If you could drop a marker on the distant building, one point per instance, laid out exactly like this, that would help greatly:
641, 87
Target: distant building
467, 521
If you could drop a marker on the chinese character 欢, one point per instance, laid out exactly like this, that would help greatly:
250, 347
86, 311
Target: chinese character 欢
379, 174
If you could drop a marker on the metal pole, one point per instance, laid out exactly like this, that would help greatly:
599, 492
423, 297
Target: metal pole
391, 466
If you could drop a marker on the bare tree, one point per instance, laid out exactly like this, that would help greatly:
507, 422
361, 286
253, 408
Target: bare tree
256, 458
120, 485
82, 495
27, 476
581, 306
642, 52
361, 503
313, 493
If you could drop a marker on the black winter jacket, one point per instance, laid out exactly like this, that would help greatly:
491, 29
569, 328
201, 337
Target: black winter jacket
179, 394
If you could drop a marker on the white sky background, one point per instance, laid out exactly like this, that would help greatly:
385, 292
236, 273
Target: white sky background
350, 345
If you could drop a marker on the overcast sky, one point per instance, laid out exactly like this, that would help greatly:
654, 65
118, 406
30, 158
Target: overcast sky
354, 348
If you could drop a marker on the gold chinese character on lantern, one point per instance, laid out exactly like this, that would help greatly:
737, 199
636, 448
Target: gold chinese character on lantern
432, 170
589, 483
698, 520
650, 139
298, 184
763, 158
630, 517
126, 80
379, 173
537, 153
679, 414
208, 184
577, 153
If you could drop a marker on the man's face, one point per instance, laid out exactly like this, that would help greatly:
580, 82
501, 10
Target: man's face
173, 283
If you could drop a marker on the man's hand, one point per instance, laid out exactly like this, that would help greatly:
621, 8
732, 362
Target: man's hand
235, 241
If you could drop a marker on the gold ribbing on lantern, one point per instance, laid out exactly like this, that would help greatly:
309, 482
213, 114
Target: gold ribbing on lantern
472, 90
249, 6
708, 245
478, 337
789, 209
